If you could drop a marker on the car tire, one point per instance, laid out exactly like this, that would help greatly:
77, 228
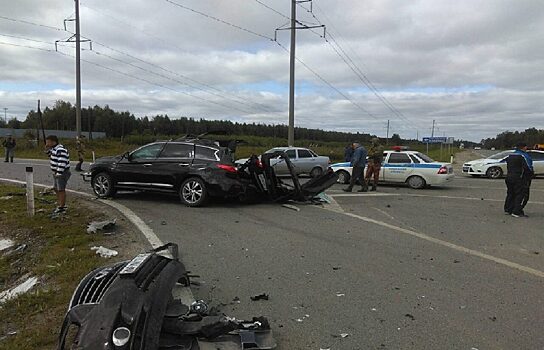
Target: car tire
193, 192
494, 172
103, 186
416, 182
343, 177
316, 172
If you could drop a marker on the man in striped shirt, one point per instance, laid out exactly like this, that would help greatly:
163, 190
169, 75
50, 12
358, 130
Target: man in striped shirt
59, 160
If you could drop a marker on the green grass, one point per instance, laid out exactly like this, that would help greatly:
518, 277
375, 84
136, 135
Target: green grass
253, 145
58, 254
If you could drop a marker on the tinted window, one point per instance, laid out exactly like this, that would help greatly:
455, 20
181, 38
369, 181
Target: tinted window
302, 153
536, 156
177, 150
414, 159
425, 158
397, 158
205, 153
147, 152
291, 153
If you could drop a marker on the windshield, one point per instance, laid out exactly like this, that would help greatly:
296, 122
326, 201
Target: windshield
501, 155
425, 158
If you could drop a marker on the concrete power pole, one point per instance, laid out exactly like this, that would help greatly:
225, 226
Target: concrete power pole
291, 130
387, 133
432, 130
78, 72
6, 115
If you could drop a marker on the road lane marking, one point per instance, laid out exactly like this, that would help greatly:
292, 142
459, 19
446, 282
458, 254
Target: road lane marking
446, 244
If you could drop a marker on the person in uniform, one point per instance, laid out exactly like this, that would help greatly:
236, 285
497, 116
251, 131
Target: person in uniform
375, 159
9, 147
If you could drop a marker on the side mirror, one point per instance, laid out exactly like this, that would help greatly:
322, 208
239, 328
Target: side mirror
127, 156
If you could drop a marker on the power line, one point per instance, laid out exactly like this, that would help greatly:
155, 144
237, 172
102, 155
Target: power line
26, 46
220, 20
273, 9
24, 38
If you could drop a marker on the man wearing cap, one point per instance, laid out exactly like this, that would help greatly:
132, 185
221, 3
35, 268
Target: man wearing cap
520, 171
9, 147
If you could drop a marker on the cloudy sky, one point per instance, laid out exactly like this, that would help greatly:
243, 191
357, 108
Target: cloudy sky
476, 67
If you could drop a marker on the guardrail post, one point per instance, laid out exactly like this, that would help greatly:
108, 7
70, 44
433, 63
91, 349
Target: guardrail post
30, 191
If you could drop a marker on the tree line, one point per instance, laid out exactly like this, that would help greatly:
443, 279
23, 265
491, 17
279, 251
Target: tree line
121, 124
508, 139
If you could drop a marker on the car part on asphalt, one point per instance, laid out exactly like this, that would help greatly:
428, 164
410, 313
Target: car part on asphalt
95, 226
129, 305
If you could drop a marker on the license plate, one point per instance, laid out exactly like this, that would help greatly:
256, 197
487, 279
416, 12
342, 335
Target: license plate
134, 264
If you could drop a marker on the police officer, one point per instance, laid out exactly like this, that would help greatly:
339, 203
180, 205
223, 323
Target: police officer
519, 174
375, 158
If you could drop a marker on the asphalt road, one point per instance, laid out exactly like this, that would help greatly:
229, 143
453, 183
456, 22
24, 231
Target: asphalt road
438, 268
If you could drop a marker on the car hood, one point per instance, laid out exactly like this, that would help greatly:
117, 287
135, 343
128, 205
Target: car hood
484, 161
104, 160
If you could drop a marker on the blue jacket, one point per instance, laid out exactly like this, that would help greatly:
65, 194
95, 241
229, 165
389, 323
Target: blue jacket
359, 157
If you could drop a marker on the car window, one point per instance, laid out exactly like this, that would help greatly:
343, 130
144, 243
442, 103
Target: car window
291, 153
398, 158
501, 155
177, 150
414, 159
206, 153
313, 153
147, 152
304, 153
536, 156
425, 158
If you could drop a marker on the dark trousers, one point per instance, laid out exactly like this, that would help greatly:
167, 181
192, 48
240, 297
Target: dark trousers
526, 193
515, 192
356, 175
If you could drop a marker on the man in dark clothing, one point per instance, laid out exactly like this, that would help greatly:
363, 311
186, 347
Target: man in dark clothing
348, 153
375, 158
519, 174
9, 146
358, 162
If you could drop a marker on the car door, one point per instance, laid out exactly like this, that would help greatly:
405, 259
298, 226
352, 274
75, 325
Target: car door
538, 161
305, 161
172, 165
136, 169
397, 167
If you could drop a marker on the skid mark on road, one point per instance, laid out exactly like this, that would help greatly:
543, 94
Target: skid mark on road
412, 232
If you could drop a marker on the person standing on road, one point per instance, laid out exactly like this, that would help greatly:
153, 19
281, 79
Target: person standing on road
9, 147
59, 160
519, 173
80, 147
358, 162
348, 153
375, 158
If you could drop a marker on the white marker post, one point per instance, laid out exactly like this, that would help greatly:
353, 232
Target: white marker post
30, 191
94, 157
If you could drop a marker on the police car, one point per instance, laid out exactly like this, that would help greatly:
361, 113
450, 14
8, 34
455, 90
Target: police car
407, 167
494, 166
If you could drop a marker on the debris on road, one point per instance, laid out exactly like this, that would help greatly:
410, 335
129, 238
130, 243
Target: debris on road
22, 288
410, 316
96, 226
105, 252
262, 296
111, 297
340, 294
290, 206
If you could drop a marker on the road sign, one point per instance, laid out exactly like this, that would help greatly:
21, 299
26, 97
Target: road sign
434, 139
450, 140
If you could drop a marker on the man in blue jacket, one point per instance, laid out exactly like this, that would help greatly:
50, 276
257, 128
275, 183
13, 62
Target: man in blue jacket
358, 162
520, 171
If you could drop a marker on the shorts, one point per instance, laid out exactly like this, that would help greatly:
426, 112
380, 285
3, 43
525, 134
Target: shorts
62, 180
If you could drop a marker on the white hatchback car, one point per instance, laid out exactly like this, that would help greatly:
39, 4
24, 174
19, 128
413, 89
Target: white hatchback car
494, 167
407, 167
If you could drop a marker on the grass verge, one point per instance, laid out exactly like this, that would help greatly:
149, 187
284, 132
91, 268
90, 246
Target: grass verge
58, 253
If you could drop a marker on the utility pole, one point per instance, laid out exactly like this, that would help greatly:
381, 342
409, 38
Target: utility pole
432, 130
6, 116
387, 133
77, 39
78, 72
294, 25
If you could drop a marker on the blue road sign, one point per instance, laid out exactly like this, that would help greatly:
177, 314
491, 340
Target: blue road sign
435, 139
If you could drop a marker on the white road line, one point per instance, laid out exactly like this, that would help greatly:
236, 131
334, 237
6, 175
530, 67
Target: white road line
453, 246
363, 194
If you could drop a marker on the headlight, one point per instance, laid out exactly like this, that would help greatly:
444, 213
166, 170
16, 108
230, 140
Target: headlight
121, 336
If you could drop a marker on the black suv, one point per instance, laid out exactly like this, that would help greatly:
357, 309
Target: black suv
195, 169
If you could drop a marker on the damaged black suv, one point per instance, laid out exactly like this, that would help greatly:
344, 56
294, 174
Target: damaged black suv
195, 169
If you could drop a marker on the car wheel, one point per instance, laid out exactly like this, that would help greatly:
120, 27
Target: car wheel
193, 192
416, 182
102, 184
343, 177
494, 172
316, 172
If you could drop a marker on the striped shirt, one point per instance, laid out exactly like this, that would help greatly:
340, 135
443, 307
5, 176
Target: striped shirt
59, 159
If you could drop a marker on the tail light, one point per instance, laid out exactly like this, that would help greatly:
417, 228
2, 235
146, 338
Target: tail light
228, 168
443, 170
